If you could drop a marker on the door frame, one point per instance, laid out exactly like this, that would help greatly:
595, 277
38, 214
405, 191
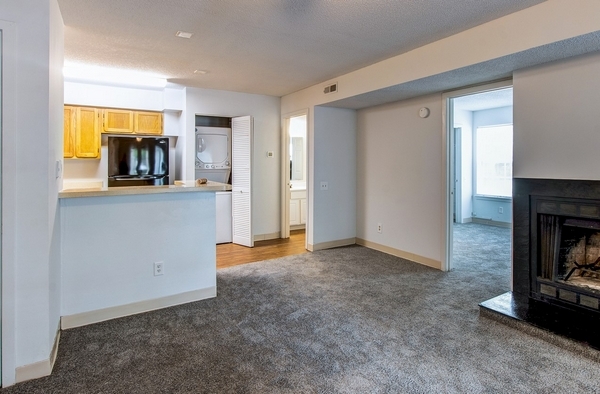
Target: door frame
457, 173
8, 199
448, 161
285, 171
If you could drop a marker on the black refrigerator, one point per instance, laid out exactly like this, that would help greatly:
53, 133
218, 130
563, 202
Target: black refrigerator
138, 161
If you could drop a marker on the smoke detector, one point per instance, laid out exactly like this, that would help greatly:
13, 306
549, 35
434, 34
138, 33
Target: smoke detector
184, 34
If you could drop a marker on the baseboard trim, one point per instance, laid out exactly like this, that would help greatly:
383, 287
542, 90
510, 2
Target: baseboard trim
40, 368
32, 371
100, 315
54, 352
490, 222
298, 227
331, 244
266, 237
400, 253
467, 220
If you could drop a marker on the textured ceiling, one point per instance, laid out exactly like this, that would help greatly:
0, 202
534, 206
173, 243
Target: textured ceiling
272, 47
486, 100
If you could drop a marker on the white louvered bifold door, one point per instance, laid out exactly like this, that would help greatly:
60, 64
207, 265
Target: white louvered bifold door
241, 180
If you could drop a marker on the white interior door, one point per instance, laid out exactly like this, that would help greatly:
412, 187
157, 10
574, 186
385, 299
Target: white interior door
285, 179
241, 180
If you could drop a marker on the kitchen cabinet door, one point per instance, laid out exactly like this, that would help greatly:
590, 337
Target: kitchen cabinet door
69, 132
294, 212
117, 121
148, 122
303, 211
87, 133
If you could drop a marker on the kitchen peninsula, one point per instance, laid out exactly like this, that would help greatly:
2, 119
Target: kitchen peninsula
128, 250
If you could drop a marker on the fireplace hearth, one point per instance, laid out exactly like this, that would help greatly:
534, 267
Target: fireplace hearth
556, 258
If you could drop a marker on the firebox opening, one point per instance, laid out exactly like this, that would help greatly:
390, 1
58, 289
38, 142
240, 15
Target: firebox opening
579, 254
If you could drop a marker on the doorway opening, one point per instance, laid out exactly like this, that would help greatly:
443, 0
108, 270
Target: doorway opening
479, 184
294, 198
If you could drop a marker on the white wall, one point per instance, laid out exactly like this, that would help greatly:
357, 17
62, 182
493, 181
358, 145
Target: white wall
267, 124
399, 177
56, 95
517, 32
98, 95
110, 245
556, 122
464, 120
38, 139
487, 208
333, 149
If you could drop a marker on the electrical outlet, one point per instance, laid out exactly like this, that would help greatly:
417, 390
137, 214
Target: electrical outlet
324, 186
500, 210
379, 228
158, 268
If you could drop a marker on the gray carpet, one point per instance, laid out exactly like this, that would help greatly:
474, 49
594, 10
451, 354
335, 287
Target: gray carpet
349, 320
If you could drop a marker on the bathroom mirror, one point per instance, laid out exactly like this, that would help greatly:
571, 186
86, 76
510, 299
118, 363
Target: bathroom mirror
297, 159
297, 150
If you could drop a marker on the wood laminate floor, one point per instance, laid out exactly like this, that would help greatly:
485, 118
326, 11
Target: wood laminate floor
231, 254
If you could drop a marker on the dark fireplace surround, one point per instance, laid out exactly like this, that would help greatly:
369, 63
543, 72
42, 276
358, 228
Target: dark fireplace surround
556, 256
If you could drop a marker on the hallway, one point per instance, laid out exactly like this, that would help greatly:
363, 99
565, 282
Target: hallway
230, 254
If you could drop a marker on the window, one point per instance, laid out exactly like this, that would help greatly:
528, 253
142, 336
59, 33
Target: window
493, 151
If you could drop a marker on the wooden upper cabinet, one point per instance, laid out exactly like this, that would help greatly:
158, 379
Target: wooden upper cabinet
69, 132
117, 121
120, 121
87, 133
148, 122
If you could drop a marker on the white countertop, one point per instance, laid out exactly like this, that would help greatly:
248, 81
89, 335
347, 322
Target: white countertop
179, 187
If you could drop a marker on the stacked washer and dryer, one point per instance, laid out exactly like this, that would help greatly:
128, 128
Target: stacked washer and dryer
213, 162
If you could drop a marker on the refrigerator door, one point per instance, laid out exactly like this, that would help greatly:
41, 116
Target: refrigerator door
138, 160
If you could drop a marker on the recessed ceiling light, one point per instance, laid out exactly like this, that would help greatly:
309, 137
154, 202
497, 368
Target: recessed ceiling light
183, 34
200, 72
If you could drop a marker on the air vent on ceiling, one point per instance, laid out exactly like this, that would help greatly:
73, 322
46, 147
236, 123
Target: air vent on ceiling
330, 89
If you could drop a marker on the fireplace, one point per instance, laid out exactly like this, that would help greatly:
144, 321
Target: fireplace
556, 258
565, 258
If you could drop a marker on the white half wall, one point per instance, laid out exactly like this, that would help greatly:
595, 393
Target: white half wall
267, 124
110, 245
332, 215
556, 122
399, 176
